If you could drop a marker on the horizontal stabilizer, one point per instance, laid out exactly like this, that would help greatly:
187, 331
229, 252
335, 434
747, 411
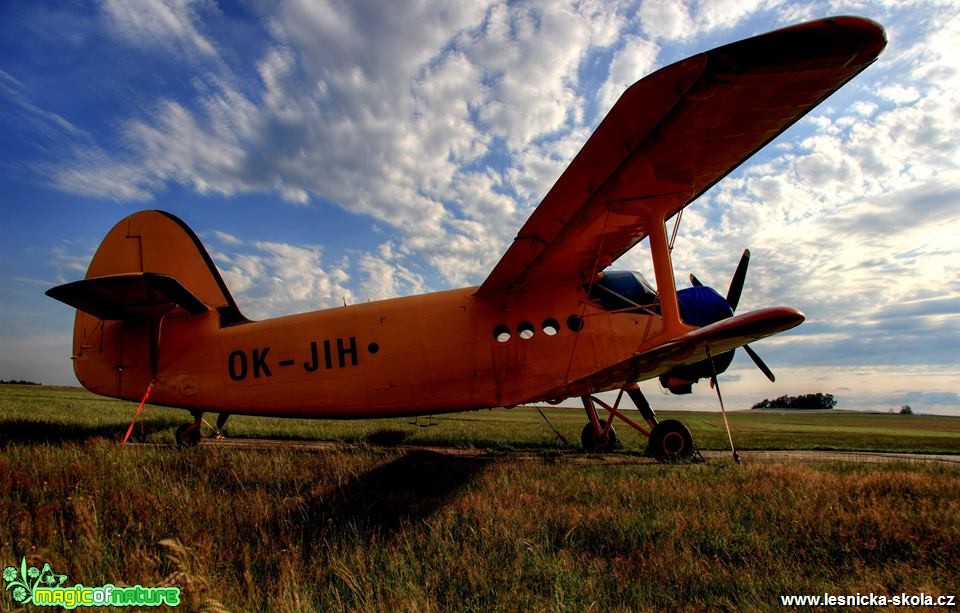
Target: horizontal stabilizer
137, 295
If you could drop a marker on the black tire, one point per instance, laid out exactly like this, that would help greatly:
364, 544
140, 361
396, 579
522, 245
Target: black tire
594, 444
670, 441
188, 435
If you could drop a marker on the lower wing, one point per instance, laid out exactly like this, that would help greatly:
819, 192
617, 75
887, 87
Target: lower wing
690, 348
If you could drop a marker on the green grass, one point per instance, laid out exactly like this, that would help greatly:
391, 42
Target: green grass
29, 413
382, 528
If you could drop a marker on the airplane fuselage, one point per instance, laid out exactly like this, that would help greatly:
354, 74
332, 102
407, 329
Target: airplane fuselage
422, 354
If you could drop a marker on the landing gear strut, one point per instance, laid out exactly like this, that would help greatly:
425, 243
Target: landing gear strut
669, 441
598, 436
189, 435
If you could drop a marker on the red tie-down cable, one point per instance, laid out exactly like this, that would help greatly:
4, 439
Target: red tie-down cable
136, 415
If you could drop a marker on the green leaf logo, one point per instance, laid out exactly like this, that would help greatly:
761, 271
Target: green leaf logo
25, 580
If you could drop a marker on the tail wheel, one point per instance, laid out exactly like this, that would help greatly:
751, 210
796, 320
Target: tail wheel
670, 441
188, 435
594, 443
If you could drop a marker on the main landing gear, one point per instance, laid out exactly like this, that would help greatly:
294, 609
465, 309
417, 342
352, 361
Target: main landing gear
669, 441
188, 435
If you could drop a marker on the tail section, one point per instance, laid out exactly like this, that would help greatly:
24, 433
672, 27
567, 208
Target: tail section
149, 269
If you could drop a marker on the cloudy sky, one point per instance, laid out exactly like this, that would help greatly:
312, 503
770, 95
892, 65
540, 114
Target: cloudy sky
355, 150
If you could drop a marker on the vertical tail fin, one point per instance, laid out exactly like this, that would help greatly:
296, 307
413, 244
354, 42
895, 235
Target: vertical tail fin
149, 266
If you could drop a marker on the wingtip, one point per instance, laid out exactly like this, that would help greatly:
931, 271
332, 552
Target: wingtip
874, 35
794, 316
842, 42
871, 35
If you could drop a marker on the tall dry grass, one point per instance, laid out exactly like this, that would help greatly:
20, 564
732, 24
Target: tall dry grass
375, 529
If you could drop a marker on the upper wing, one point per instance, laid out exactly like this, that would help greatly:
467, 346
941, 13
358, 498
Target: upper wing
673, 135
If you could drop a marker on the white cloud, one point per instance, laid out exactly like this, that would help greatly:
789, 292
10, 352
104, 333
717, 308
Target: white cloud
70, 263
226, 238
385, 278
669, 19
864, 108
634, 60
716, 14
683, 20
161, 24
387, 130
268, 278
899, 94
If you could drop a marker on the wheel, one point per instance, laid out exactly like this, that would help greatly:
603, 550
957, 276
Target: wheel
188, 435
594, 444
670, 441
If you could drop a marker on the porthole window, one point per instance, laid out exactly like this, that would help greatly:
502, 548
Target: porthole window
551, 326
501, 333
575, 323
526, 330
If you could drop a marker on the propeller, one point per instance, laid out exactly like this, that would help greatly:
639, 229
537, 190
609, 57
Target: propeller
733, 299
760, 363
736, 283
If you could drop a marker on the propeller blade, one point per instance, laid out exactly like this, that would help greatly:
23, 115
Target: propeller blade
736, 283
695, 281
756, 360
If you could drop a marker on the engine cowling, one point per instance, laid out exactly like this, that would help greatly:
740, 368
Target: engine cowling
699, 306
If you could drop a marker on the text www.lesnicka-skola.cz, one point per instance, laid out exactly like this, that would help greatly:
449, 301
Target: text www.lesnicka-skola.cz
869, 600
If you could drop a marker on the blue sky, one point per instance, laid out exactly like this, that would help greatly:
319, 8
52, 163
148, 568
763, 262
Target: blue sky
330, 151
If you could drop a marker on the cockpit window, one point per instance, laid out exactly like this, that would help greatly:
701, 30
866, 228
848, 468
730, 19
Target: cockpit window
617, 290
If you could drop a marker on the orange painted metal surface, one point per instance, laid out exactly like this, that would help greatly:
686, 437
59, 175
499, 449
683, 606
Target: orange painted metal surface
669, 138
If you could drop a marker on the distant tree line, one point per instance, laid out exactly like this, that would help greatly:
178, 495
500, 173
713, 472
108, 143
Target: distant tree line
803, 401
18, 382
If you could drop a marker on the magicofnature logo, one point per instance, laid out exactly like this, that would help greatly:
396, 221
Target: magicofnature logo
25, 580
43, 587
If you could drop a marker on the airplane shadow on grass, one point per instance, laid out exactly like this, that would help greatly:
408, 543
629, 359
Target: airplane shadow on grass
40, 431
405, 490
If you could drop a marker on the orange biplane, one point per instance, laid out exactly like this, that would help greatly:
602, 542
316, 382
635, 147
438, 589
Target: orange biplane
550, 322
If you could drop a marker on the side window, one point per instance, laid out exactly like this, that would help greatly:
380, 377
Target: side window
526, 330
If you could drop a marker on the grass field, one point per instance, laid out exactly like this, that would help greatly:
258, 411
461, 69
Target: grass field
32, 413
380, 528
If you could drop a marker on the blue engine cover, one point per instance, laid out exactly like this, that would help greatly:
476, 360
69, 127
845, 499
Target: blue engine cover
702, 306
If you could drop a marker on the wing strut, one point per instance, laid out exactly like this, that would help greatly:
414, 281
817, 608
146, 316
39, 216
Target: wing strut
676, 228
656, 213
716, 386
